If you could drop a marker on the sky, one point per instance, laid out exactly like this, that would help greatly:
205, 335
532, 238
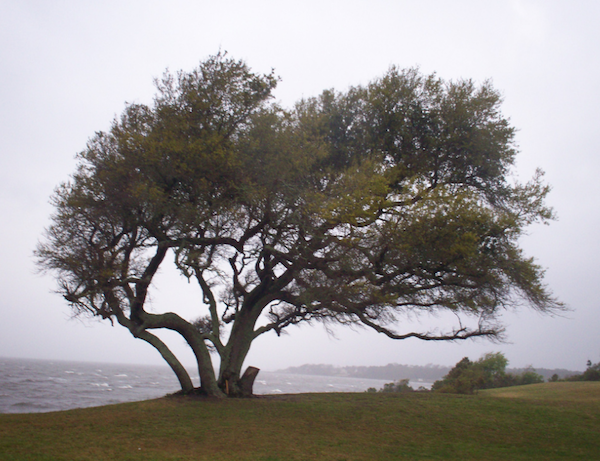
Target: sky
68, 67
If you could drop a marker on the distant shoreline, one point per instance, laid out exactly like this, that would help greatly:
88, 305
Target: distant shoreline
395, 371
391, 371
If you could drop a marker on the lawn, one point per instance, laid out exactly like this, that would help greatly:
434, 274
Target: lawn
537, 422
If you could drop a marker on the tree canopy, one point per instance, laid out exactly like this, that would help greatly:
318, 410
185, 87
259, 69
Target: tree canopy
358, 207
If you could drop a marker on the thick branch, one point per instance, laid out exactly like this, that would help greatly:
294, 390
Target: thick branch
212, 307
179, 370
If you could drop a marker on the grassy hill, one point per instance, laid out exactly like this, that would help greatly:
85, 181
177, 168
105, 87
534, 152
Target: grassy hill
538, 422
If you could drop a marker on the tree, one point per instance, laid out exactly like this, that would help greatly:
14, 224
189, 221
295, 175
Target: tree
592, 373
355, 207
488, 372
400, 386
529, 376
464, 378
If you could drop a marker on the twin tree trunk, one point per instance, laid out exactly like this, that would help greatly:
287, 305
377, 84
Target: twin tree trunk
231, 383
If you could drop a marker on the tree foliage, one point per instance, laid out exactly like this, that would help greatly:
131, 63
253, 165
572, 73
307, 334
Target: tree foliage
488, 372
357, 207
400, 386
592, 373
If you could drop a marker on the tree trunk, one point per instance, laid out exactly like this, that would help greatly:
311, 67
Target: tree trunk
182, 375
233, 356
247, 381
208, 381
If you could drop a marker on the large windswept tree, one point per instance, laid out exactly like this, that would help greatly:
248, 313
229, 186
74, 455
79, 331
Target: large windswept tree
359, 207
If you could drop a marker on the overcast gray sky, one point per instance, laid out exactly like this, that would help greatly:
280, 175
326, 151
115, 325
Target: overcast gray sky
67, 68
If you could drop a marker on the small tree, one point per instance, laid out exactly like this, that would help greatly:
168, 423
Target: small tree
529, 376
592, 373
399, 386
464, 378
355, 208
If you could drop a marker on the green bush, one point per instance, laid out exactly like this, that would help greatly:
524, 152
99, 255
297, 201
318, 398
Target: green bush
398, 386
529, 377
487, 373
592, 373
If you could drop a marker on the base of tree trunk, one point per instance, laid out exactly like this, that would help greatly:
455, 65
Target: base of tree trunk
247, 381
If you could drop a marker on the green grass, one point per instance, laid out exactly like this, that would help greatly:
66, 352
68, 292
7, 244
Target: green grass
546, 422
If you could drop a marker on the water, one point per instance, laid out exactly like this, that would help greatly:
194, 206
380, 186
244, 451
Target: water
39, 385
28, 386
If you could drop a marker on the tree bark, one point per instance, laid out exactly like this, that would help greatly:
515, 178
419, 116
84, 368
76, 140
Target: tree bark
208, 380
234, 354
182, 375
247, 381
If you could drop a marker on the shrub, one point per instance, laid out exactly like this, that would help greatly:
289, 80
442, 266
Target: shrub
488, 372
592, 373
398, 386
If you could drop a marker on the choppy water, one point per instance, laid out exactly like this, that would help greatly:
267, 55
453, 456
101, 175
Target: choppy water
28, 386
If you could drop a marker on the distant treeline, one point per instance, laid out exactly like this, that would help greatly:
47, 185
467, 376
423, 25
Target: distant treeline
395, 371
547, 373
391, 371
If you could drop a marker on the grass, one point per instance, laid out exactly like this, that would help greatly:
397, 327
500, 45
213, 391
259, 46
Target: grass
546, 422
